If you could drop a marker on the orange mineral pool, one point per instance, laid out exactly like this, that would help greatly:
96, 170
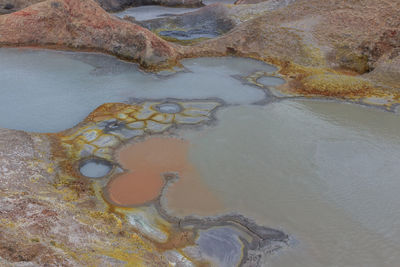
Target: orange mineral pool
146, 163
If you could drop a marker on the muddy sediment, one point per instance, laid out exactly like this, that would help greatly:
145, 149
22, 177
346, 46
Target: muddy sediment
146, 163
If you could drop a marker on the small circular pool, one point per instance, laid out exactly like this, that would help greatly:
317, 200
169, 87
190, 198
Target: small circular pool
170, 108
95, 168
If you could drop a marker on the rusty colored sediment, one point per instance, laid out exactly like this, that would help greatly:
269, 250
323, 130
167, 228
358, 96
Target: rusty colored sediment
146, 163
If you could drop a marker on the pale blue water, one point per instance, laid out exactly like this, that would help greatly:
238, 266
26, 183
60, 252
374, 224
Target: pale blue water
95, 169
49, 91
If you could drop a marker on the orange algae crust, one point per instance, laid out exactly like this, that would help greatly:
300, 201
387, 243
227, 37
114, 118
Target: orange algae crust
112, 124
111, 110
331, 83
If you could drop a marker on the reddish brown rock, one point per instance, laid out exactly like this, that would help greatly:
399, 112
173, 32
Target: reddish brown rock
83, 25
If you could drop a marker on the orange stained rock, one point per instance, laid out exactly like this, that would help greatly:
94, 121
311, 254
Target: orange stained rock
146, 162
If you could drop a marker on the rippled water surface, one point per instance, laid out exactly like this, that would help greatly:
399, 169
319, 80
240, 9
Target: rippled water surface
327, 173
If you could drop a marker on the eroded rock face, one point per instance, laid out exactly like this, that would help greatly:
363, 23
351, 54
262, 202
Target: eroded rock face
83, 25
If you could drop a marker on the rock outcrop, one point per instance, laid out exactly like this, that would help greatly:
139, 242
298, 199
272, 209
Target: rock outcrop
83, 25
306, 38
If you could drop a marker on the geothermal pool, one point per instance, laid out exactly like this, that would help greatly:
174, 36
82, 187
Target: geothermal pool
326, 173
66, 87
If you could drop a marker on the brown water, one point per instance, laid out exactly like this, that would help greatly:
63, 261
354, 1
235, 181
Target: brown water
326, 173
146, 163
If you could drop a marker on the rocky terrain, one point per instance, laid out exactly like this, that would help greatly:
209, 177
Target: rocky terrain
83, 25
318, 35
343, 49
323, 48
313, 35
